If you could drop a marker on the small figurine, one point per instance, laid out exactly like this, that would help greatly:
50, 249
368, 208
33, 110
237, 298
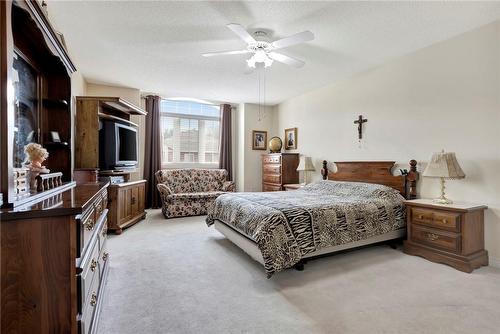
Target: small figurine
35, 156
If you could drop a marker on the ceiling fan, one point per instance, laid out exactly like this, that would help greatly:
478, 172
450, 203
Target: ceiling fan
264, 51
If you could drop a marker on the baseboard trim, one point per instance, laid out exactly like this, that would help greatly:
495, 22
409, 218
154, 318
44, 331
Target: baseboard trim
494, 262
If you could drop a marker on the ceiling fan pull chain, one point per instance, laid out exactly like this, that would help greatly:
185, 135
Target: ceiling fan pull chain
264, 93
260, 115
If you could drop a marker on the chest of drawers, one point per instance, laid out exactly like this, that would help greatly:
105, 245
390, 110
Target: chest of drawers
279, 169
55, 261
449, 234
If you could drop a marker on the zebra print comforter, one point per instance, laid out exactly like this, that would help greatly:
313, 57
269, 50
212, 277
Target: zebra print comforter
287, 225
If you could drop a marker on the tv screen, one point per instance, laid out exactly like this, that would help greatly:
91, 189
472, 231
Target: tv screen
126, 142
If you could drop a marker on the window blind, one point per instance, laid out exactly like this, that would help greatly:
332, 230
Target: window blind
190, 132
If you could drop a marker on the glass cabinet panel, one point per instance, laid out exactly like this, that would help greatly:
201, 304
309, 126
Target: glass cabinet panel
26, 115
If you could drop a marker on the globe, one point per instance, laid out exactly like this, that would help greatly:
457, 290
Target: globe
275, 144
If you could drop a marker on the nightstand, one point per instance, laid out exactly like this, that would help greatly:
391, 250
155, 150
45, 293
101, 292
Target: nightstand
292, 186
452, 234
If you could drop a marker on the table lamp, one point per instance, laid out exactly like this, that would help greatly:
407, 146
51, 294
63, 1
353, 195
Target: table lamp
444, 165
305, 165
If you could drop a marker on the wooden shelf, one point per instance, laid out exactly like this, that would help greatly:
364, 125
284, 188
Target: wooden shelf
55, 103
57, 144
115, 118
117, 104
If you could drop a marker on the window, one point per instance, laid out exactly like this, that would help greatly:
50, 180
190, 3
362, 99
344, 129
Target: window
190, 132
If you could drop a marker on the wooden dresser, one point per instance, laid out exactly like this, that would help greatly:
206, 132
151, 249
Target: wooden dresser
54, 261
451, 234
279, 169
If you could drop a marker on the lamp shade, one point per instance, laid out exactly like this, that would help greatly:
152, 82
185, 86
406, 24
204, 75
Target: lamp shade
444, 165
305, 164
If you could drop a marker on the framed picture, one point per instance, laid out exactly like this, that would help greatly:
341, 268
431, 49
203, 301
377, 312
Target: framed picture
259, 140
291, 139
55, 136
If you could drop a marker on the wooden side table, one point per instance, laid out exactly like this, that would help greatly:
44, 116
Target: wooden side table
292, 186
452, 234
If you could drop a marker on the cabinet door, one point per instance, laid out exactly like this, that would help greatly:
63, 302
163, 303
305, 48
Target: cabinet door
124, 196
141, 198
134, 201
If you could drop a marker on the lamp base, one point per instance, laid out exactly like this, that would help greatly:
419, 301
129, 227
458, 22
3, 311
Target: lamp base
442, 200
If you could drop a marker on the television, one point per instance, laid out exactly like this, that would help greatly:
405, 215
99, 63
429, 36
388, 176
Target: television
118, 146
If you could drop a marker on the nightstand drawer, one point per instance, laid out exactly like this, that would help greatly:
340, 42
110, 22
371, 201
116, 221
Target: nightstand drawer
442, 220
436, 238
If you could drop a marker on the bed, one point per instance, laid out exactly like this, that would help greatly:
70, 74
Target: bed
359, 204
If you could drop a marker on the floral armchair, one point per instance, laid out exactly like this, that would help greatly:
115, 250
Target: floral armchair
190, 191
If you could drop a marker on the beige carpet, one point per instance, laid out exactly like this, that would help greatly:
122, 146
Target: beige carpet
179, 276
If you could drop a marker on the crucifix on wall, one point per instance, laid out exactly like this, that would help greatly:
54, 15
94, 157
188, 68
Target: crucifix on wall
360, 122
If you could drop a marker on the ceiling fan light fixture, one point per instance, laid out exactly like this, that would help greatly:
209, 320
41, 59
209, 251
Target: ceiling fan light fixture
259, 57
251, 62
268, 62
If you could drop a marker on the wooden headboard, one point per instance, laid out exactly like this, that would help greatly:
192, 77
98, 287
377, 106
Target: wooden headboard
379, 172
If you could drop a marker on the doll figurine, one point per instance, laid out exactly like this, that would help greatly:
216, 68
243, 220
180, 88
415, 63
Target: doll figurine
35, 156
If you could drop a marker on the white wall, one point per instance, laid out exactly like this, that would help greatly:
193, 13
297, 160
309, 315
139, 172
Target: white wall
248, 162
132, 95
442, 97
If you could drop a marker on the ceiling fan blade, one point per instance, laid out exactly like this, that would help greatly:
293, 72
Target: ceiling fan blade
222, 53
241, 32
301, 37
286, 59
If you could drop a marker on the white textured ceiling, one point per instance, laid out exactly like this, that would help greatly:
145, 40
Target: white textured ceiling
156, 46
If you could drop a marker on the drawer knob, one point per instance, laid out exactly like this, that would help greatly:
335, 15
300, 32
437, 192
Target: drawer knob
93, 299
105, 256
432, 236
93, 265
420, 217
445, 221
89, 225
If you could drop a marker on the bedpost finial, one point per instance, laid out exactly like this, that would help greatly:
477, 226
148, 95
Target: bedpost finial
413, 165
324, 170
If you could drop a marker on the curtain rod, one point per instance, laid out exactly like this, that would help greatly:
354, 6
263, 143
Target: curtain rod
143, 96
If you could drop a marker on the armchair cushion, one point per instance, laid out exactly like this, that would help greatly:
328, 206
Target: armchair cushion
229, 186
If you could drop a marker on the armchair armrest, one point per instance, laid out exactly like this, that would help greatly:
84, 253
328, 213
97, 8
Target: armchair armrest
164, 191
228, 186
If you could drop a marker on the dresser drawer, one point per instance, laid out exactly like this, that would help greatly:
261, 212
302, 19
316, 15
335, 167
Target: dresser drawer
438, 219
103, 260
99, 206
89, 272
271, 178
86, 227
87, 315
103, 231
435, 238
271, 159
271, 169
105, 199
270, 187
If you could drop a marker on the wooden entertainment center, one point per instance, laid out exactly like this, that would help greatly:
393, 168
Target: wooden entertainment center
126, 201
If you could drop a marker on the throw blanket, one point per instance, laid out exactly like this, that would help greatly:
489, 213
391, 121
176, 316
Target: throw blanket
287, 225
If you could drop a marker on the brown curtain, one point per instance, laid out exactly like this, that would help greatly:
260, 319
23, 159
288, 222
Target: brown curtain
225, 151
152, 150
